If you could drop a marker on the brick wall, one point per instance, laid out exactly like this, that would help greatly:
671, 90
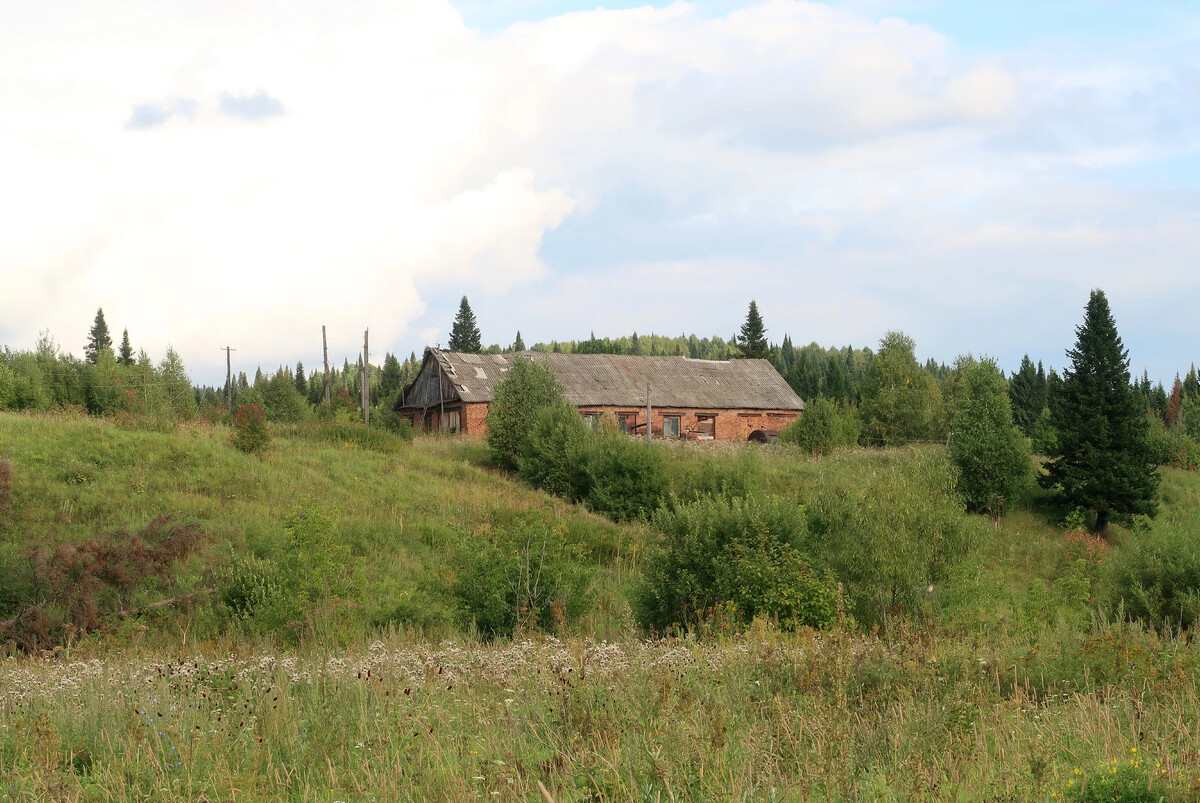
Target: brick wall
728, 425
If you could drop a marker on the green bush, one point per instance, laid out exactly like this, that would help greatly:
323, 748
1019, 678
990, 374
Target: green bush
824, 427
526, 390
894, 533
990, 452
250, 433
627, 476
558, 452
249, 585
524, 577
717, 551
1172, 447
1045, 436
1155, 576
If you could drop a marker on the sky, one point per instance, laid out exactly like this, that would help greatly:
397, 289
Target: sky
239, 173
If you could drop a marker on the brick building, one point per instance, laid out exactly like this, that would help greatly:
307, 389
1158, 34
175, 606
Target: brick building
721, 400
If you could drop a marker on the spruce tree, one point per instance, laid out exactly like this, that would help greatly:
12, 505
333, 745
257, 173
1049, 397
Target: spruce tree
125, 356
1023, 395
98, 339
518, 344
752, 341
635, 346
1103, 461
392, 376
300, 379
464, 335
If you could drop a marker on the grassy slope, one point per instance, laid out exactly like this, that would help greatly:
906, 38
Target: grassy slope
405, 512
919, 715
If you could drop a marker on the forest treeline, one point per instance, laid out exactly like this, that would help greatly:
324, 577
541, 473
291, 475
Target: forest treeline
116, 381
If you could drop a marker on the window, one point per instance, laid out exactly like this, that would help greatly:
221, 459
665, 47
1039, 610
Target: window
628, 422
706, 427
592, 420
670, 426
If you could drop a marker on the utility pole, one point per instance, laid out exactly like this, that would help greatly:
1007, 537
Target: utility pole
366, 382
325, 349
229, 377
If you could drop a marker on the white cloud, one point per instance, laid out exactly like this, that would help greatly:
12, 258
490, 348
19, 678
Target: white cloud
241, 173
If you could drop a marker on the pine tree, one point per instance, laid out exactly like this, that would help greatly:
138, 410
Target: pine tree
752, 341
635, 346
1103, 462
836, 386
518, 344
125, 356
464, 335
300, 379
98, 339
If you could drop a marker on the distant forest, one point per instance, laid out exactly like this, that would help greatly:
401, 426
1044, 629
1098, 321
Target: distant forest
112, 380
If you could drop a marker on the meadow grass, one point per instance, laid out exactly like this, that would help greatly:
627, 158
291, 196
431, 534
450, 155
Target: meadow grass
1010, 687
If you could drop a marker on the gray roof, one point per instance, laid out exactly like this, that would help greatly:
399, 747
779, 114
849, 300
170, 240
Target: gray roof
620, 380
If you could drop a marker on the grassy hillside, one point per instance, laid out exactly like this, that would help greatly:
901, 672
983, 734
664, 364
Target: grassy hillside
1009, 681
408, 512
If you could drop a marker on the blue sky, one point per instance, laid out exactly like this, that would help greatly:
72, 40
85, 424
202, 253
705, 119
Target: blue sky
240, 173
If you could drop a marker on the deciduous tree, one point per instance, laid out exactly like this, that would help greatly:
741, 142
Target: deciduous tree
990, 451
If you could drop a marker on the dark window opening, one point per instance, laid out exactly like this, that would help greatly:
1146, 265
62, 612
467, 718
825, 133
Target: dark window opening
670, 426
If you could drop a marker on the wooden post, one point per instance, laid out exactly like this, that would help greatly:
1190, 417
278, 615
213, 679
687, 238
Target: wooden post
229, 378
325, 349
648, 418
366, 382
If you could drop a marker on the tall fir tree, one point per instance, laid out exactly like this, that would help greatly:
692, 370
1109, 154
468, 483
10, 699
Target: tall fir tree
835, 386
392, 376
1025, 396
464, 335
98, 339
635, 345
1103, 462
518, 344
125, 355
752, 340
1191, 384
300, 379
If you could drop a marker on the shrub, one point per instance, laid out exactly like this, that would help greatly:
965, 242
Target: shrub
250, 433
559, 449
1155, 576
1172, 447
249, 585
719, 551
896, 532
627, 477
77, 588
522, 578
1045, 436
824, 427
991, 454
518, 399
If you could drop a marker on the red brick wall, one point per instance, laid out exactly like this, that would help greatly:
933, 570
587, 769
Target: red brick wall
731, 425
